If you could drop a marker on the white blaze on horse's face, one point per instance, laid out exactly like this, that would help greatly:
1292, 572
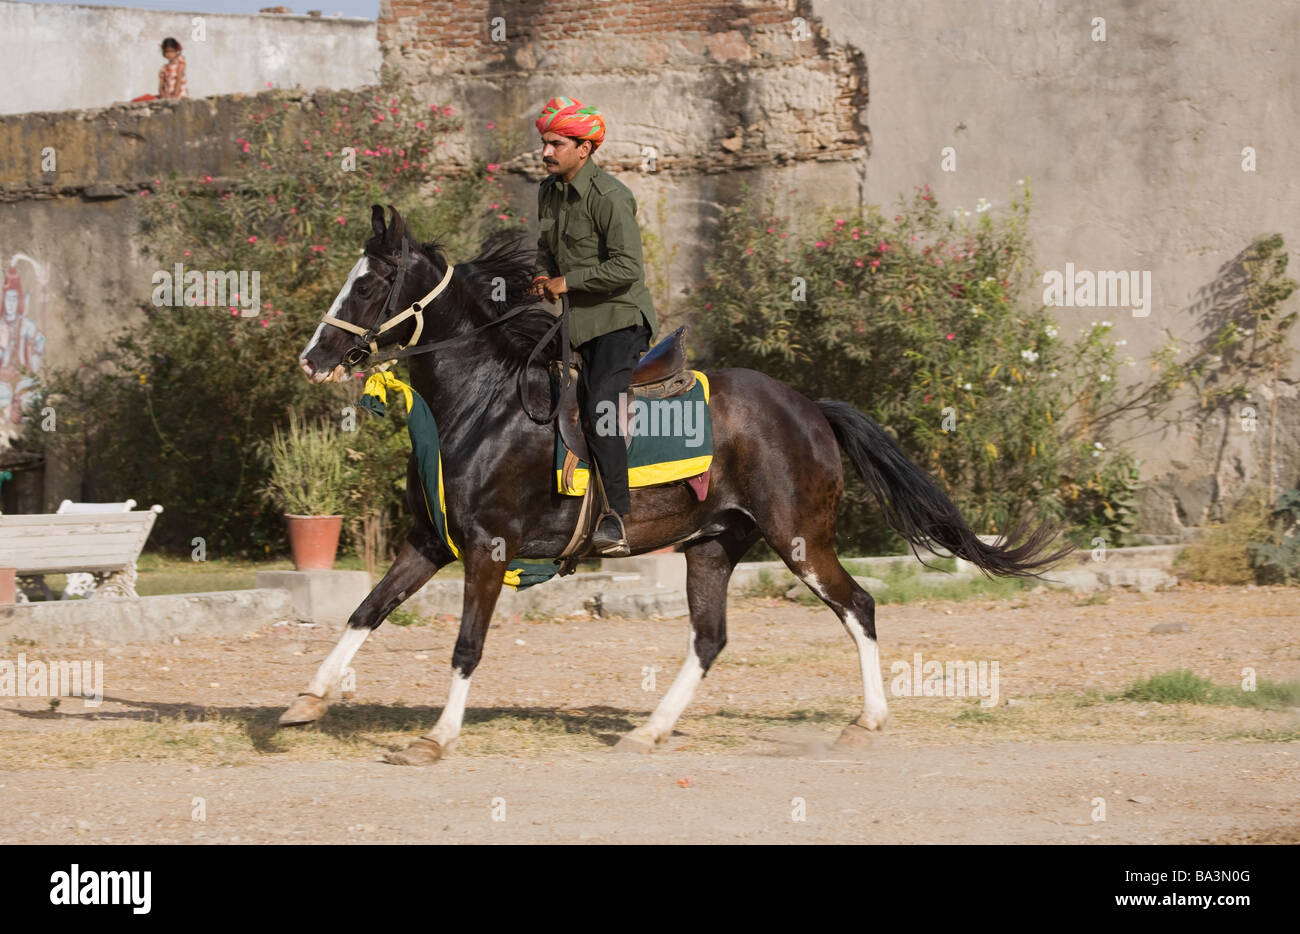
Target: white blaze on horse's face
319, 376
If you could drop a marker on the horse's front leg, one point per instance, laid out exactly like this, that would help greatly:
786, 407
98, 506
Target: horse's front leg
409, 573
483, 582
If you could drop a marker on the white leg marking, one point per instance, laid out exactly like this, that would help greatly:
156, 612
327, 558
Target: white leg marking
815, 585
327, 676
660, 724
360, 269
447, 728
875, 709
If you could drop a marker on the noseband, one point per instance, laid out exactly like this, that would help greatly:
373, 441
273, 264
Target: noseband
368, 345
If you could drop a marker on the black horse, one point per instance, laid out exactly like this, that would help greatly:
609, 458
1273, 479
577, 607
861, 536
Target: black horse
776, 473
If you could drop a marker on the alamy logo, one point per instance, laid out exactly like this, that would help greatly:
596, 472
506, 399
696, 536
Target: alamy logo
36, 678
76, 887
1104, 288
211, 289
657, 418
953, 678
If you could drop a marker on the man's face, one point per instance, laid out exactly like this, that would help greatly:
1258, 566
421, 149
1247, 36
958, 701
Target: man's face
11, 305
561, 156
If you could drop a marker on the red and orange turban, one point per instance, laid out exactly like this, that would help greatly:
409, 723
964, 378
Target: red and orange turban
568, 117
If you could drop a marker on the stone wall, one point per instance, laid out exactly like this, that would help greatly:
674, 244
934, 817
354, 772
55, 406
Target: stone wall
1132, 144
66, 57
1132, 147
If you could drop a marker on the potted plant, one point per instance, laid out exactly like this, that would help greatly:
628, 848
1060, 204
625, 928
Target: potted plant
308, 481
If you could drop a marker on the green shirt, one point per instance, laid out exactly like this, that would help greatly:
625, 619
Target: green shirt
588, 234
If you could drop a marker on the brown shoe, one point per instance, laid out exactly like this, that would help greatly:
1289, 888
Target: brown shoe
609, 538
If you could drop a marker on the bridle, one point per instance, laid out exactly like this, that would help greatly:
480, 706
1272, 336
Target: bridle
366, 349
368, 344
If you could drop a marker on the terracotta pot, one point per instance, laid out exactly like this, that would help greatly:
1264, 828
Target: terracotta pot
314, 541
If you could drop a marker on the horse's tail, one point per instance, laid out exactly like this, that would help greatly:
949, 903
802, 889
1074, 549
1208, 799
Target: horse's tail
919, 511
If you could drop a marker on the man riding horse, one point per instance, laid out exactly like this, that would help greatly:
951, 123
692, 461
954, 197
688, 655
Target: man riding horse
589, 247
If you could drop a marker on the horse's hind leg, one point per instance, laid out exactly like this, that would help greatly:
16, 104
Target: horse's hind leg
409, 573
816, 564
709, 564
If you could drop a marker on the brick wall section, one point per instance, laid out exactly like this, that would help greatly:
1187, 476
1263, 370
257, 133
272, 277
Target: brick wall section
459, 29
750, 93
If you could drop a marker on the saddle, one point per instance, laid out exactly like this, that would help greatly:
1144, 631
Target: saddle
660, 374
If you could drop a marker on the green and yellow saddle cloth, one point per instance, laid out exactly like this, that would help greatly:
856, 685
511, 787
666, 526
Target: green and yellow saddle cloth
688, 458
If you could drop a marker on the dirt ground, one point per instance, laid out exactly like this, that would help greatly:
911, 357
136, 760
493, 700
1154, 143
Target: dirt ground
184, 746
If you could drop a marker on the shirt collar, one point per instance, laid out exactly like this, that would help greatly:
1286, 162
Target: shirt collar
582, 181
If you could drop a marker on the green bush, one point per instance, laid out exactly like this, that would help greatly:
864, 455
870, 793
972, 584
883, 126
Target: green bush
1276, 559
930, 324
177, 408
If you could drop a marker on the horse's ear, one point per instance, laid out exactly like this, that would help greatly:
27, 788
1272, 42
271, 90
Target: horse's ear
377, 220
396, 228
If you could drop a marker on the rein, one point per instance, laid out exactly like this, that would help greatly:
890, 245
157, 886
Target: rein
367, 349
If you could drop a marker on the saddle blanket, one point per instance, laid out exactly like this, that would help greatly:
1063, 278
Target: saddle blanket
672, 439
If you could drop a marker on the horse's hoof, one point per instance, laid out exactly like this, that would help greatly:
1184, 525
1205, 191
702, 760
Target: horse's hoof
855, 736
423, 751
631, 742
306, 708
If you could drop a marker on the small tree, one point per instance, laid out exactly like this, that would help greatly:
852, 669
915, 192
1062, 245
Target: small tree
174, 410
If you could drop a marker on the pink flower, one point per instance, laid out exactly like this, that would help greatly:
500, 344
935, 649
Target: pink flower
950, 336
206, 179
492, 206
316, 248
858, 263
340, 220
234, 311
268, 84
875, 264
493, 166
187, 252
503, 217
252, 239
749, 250
449, 110
708, 305
771, 229
419, 124
265, 323
491, 126
884, 247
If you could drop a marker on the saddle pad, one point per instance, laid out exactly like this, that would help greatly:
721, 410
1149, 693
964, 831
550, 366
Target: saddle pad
672, 439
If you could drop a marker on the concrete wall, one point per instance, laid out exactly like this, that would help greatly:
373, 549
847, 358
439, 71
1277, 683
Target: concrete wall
1132, 145
55, 57
1133, 148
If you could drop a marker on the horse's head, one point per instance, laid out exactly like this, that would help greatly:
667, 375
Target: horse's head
386, 279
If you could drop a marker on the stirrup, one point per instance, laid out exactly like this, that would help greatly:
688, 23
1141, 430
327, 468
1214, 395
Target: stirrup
616, 549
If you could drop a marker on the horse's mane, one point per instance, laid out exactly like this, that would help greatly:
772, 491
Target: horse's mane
505, 255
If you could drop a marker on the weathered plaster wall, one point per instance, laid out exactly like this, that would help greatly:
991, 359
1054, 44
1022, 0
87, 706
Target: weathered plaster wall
1133, 146
57, 57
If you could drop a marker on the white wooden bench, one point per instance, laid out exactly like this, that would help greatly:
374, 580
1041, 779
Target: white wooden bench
101, 539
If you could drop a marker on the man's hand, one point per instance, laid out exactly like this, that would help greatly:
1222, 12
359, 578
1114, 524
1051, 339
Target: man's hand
554, 288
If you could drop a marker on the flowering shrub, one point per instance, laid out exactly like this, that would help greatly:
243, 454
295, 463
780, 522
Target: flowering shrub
927, 322
175, 409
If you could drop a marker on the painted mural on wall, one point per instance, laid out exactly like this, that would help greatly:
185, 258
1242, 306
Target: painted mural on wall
22, 339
